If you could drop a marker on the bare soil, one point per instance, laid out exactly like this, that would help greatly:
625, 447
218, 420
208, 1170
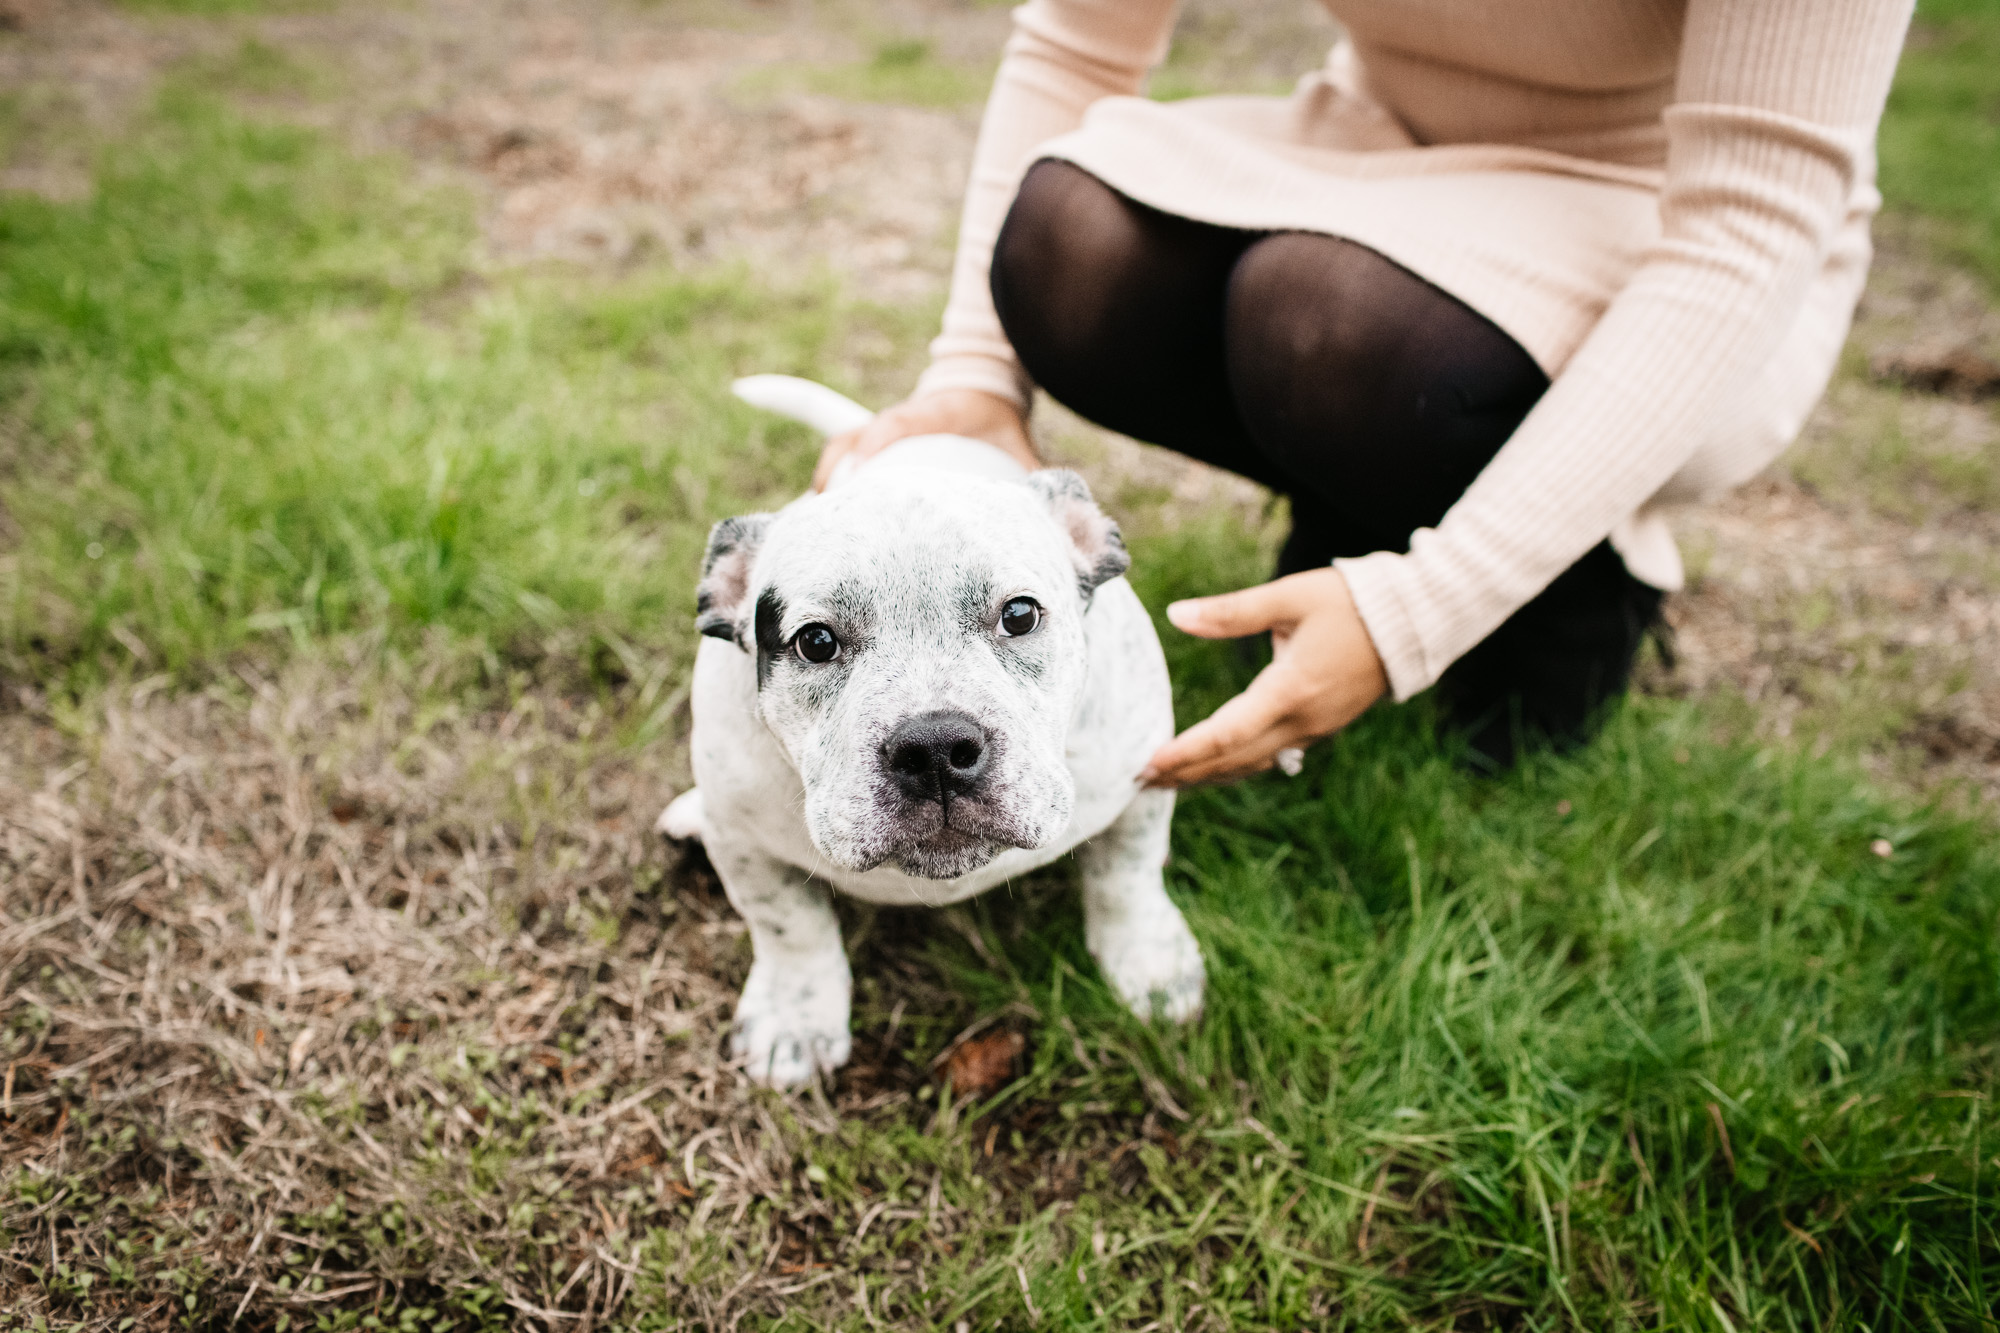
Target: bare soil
341, 899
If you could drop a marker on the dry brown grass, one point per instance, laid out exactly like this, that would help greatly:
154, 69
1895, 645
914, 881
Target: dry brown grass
326, 999
259, 932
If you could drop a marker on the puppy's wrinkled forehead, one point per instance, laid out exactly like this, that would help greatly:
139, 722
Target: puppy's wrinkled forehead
914, 560
916, 551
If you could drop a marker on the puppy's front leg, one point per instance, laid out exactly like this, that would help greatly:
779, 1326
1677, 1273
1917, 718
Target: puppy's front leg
792, 1019
1133, 929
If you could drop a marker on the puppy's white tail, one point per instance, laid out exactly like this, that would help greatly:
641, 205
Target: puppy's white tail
817, 406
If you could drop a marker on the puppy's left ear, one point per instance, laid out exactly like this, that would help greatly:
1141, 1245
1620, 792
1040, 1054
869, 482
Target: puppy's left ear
721, 597
1096, 545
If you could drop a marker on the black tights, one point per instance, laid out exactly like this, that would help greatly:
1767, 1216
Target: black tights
1328, 373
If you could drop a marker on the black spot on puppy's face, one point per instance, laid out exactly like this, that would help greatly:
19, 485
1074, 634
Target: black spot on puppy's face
768, 631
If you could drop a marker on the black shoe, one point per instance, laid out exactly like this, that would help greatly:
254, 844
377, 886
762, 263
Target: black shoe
1546, 675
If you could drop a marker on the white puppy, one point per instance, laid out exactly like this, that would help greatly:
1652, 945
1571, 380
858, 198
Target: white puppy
923, 682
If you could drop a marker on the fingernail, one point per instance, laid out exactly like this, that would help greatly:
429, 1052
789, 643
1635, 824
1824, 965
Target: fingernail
1147, 774
1183, 614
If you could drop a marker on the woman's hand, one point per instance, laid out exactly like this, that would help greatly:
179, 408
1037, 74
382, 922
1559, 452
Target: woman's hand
1324, 673
944, 412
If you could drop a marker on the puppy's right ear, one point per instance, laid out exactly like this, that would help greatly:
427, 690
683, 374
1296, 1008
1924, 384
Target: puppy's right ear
722, 596
1096, 545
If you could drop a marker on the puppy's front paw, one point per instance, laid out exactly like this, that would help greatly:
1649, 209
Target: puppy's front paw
1154, 964
781, 1052
791, 1024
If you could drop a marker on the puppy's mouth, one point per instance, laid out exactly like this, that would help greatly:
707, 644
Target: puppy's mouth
928, 840
944, 841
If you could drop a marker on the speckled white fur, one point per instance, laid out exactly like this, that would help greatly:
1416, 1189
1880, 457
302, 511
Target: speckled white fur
909, 559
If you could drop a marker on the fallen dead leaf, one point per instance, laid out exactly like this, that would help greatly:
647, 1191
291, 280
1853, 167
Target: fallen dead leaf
979, 1066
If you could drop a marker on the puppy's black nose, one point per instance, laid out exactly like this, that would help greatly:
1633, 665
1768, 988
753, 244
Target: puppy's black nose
936, 756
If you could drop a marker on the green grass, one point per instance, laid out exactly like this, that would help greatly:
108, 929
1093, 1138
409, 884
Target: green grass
1886, 448
1941, 133
216, 8
902, 71
1653, 1036
268, 394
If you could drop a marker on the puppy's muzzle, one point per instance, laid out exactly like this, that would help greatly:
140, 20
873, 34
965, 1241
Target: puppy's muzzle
937, 756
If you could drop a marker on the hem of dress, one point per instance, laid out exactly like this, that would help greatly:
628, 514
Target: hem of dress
1415, 217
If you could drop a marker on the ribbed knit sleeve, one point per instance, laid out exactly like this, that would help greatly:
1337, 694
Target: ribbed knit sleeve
1774, 117
1064, 55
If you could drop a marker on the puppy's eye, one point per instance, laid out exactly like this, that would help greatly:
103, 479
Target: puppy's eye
816, 644
1020, 616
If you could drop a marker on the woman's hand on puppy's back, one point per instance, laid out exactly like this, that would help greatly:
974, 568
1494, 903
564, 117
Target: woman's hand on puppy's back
968, 412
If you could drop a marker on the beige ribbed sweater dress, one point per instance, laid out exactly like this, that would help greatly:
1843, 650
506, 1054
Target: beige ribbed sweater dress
1666, 204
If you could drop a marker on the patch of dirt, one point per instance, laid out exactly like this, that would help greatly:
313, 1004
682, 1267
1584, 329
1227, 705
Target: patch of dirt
1796, 590
596, 133
610, 132
1957, 371
71, 72
1865, 601
1914, 302
653, 152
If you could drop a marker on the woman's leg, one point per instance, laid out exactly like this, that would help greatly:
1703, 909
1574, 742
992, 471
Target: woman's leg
1376, 395
1117, 310
1548, 671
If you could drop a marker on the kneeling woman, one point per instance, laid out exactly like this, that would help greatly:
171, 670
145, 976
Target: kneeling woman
1479, 297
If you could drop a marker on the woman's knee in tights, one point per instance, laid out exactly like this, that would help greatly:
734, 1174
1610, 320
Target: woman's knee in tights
1069, 249
1116, 309
1370, 389
1079, 266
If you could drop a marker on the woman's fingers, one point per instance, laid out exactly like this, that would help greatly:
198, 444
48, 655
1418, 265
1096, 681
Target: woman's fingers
968, 412
1276, 605
888, 427
1243, 736
1325, 674
861, 445
836, 448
